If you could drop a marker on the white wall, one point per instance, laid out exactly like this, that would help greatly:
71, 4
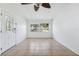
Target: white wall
66, 27
39, 34
21, 31
21, 23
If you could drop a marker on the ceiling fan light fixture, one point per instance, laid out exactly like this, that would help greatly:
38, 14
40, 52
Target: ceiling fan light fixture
46, 5
36, 7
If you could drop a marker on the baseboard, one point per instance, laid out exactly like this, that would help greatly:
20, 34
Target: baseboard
75, 51
7, 49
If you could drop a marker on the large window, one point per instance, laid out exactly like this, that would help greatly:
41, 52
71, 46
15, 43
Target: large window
42, 27
34, 27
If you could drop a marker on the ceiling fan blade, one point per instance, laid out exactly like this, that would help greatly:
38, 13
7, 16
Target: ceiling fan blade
36, 8
25, 3
46, 5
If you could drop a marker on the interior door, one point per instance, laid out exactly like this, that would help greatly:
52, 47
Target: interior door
8, 34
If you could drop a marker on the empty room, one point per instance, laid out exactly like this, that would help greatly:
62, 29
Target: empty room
39, 29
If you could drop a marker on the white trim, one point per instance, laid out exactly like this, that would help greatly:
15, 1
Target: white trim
73, 50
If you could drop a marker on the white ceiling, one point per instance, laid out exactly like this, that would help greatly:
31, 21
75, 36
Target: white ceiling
27, 11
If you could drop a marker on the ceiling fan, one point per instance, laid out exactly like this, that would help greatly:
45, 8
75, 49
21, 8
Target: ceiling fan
37, 5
